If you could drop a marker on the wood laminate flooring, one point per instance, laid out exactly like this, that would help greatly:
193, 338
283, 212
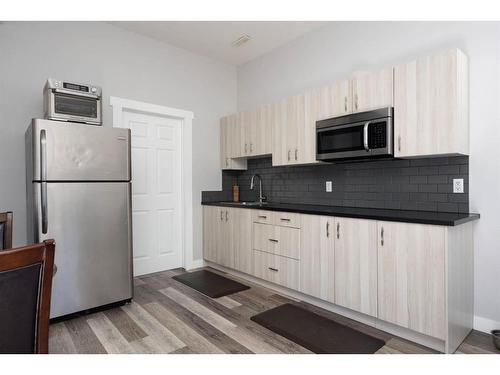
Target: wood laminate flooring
169, 317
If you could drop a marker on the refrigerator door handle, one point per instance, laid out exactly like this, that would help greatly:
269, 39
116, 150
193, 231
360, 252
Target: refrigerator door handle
43, 155
43, 177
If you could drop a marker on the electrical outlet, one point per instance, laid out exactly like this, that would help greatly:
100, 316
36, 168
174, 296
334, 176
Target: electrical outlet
329, 186
458, 185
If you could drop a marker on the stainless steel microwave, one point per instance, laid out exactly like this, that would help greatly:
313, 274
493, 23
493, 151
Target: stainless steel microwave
75, 102
356, 136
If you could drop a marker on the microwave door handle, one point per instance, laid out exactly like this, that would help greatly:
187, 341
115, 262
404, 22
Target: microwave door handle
365, 136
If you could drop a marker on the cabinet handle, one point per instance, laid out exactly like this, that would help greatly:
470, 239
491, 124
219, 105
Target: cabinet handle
288, 155
338, 230
296, 151
245, 148
399, 143
273, 269
327, 229
226, 215
221, 216
251, 147
262, 217
382, 236
273, 240
345, 103
227, 162
284, 219
356, 101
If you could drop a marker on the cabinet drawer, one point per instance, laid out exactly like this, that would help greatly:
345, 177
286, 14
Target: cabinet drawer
276, 269
277, 240
260, 216
287, 219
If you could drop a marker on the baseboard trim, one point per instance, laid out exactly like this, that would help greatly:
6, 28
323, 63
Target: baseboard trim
393, 329
484, 324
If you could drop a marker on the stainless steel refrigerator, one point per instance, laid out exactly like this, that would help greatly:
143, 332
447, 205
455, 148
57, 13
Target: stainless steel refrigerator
79, 193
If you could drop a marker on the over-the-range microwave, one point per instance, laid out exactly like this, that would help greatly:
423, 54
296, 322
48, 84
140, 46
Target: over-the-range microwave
356, 136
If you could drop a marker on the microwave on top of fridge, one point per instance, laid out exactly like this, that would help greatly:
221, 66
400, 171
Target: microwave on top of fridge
356, 136
74, 102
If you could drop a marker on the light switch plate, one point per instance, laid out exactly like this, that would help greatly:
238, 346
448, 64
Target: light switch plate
458, 185
329, 186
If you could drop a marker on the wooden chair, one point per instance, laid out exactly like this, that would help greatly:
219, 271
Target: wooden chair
5, 230
25, 289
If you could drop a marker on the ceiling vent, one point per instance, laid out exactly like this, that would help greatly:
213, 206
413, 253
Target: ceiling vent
241, 40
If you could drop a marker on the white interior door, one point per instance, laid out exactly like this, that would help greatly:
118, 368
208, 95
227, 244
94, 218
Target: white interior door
156, 192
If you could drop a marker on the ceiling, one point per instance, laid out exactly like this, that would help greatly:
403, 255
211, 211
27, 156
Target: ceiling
214, 39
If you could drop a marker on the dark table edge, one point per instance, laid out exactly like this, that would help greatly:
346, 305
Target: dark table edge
375, 216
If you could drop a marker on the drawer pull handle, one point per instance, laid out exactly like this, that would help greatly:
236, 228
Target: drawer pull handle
221, 216
284, 219
262, 217
338, 230
382, 236
327, 229
273, 269
273, 240
226, 215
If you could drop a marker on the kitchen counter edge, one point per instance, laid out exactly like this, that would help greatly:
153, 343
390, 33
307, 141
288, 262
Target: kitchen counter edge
404, 216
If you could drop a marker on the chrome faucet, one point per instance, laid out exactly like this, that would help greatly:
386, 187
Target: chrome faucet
262, 198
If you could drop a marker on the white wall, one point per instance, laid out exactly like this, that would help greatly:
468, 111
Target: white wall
341, 47
126, 65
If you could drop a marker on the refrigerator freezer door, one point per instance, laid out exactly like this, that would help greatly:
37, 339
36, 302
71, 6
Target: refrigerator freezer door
91, 224
78, 152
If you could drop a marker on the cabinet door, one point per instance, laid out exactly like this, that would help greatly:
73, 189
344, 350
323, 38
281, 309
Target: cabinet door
242, 239
356, 264
224, 142
279, 129
295, 129
211, 225
234, 149
411, 276
317, 261
230, 144
244, 132
334, 100
262, 138
225, 250
431, 105
372, 90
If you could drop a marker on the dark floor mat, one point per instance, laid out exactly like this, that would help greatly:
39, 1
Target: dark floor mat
210, 284
315, 332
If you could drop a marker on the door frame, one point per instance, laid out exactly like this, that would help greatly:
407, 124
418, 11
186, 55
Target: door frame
121, 105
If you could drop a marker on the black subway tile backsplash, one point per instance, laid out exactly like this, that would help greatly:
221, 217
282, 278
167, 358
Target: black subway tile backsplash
415, 184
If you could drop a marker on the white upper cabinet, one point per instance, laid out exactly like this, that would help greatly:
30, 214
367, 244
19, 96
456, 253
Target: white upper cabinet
431, 105
255, 133
229, 144
372, 89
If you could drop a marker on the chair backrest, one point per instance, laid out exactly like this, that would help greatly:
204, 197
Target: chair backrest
5, 230
25, 289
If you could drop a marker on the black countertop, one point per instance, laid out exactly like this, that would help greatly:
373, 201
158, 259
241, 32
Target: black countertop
405, 216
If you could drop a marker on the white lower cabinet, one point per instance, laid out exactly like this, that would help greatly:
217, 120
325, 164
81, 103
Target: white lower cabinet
415, 276
412, 277
317, 261
356, 264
